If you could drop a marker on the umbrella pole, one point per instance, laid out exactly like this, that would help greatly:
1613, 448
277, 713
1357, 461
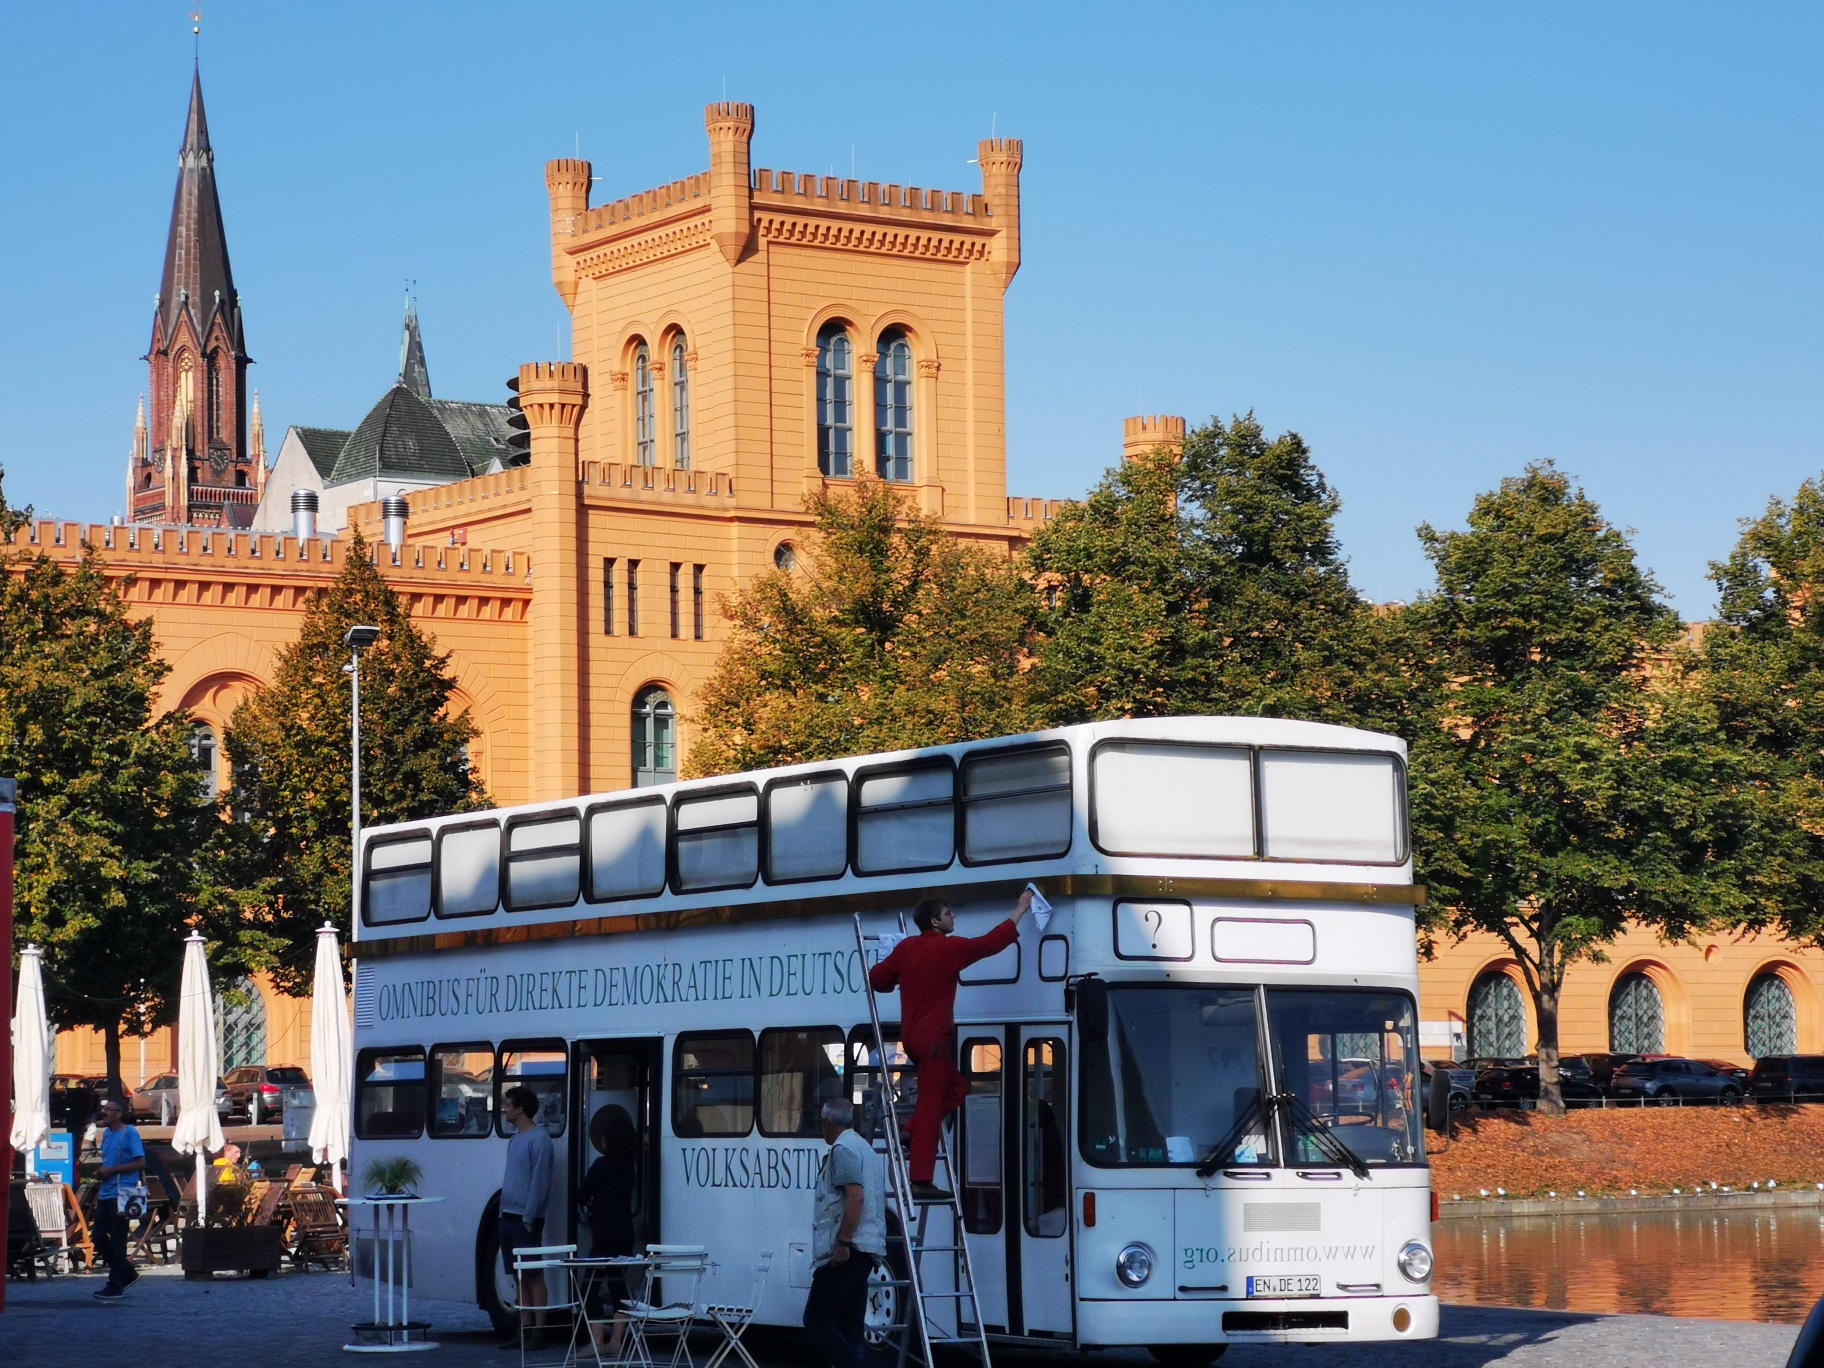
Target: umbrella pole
202, 1191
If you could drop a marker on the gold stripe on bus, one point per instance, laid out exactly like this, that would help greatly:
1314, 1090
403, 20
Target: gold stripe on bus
898, 899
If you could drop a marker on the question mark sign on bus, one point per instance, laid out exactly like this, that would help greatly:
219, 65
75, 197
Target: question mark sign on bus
1154, 920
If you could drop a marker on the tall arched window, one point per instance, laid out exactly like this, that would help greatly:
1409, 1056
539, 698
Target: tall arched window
835, 402
680, 403
645, 448
215, 396
1637, 1016
655, 738
1770, 1018
1497, 1018
203, 755
240, 1025
893, 408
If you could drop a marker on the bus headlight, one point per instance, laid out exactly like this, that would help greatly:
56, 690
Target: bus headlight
1415, 1261
1134, 1265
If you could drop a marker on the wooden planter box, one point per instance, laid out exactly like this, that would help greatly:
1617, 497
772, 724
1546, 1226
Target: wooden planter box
254, 1250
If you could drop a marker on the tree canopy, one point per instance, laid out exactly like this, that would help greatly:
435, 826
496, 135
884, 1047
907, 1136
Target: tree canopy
889, 633
289, 746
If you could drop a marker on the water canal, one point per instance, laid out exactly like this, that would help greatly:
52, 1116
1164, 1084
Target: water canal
1754, 1265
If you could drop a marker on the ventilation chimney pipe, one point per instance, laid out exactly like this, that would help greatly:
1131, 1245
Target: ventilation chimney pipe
304, 514
394, 510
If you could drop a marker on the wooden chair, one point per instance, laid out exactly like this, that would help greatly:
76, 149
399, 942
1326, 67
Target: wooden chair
301, 1176
157, 1235
263, 1205
317, 1235
61, 1224
26, 1251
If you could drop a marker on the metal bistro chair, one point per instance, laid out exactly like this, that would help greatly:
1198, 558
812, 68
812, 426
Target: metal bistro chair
733, 1320
539, 1261
677, 1272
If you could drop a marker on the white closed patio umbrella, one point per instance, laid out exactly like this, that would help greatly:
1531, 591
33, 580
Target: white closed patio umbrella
330, 1046
199, 1129
31, 1061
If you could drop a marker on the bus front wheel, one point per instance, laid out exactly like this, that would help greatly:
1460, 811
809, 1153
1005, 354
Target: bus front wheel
1186, 1355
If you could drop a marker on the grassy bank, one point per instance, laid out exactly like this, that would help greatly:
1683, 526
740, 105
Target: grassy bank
1648, 1150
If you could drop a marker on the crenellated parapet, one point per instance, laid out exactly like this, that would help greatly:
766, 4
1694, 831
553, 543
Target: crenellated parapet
1147, 433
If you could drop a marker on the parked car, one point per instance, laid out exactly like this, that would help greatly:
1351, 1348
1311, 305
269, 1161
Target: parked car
268, 1083
1787, 1078
72, 1103
1462, 1080
1518, 1084
1602, 1066
158, 1100
1740, 1073
101, 1087
1667, 1082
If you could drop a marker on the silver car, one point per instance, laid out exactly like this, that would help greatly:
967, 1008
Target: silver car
157, 1100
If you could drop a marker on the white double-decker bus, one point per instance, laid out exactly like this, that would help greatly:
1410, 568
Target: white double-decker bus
1194, 1116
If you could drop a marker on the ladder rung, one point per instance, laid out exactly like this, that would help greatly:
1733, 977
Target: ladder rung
945, 1296
936, 1249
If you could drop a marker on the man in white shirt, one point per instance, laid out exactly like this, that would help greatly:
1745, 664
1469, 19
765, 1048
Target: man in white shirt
848, 1237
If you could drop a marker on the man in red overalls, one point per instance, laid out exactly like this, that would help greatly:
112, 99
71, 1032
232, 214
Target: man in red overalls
925, 967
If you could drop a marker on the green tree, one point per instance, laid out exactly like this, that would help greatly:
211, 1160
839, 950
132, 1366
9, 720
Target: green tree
1565, 778
890, 633
115, 836
289, 746
1211, 582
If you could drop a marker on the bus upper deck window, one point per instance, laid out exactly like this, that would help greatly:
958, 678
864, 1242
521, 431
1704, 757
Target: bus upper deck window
1332, 805
389, 1094
807, 828
627, 850
544, 862
468, 869
1157, 798
718, 840
398, 880
905, 818
1016, 804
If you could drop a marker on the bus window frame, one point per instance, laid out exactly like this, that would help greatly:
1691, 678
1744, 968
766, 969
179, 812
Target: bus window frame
766, 826
508, 856
433, 1088
589, 814
364, 1061
964, 802
973, 1222
760, 1036
1402, 804
367, 874
859, 779
556, 1045
500, 852
678, 1072
1252, 752
1060, 1071
690, 798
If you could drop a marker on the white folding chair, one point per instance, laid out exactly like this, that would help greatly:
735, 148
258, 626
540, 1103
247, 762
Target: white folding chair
539, 1261
676, 1271
732, 1320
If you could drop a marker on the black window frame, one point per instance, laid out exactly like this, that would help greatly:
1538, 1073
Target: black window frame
526, 1045
679, 1074
696, 601
766, 826
677, 621
457, 828
424, 834
508, 856
760, 1071
672, 835
1095, 835
608, 563
633, 597
1402, 804
857, 811
589, 813
964, 802
364, 1060
433, 1088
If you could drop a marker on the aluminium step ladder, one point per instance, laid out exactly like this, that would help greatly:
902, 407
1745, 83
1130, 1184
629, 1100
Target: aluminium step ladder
916, 1330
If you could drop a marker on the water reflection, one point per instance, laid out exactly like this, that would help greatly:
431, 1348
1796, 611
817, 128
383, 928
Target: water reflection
1765, 1265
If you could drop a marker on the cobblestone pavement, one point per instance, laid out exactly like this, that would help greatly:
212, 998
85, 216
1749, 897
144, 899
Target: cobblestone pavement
296, 1320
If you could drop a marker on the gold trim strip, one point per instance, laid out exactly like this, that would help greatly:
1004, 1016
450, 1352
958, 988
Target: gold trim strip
889, 900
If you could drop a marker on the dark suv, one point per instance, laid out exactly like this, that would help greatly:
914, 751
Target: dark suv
268, 1082
1667, 1082
1518, 1084
1787, 1078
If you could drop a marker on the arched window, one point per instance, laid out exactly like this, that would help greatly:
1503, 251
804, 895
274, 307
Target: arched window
203, 755
655, 738
240, 1025
835, 402
1637, 1016
680, 403
1497, 1018
644, 421
893, 408
215, 396
1770, 1018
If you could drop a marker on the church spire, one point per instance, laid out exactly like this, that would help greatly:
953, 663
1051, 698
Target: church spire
197, 273
413, 373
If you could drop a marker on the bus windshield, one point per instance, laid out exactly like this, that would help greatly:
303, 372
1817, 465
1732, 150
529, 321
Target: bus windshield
1178, 1079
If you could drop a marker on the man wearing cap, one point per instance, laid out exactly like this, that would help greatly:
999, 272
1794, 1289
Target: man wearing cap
122, 1153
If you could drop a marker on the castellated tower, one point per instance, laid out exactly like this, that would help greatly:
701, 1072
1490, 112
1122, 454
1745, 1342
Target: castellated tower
1149, 433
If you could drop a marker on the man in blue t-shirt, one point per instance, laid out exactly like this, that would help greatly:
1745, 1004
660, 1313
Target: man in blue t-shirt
123, 1157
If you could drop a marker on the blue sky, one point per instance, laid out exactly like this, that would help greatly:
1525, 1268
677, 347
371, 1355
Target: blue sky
1438, 241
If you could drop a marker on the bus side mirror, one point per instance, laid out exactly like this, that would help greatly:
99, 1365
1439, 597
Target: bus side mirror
1437, 1101
1092, 1009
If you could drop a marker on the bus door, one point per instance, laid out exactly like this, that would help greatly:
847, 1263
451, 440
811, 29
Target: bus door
617, 1083
981, 1163
1038, 1190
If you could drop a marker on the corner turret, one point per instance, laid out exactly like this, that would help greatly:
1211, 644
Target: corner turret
731, 136
567, 182
1148, 433
1000, 162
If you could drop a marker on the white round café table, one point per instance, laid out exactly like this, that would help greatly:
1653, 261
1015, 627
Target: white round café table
393, 1224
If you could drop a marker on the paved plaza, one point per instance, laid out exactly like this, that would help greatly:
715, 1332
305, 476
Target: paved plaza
295, 1320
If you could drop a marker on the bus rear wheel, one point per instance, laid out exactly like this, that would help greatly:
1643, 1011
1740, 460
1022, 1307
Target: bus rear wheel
1186, 1355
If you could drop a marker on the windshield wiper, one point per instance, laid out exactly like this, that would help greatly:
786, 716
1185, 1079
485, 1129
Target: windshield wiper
1328, 1142
1218, 1155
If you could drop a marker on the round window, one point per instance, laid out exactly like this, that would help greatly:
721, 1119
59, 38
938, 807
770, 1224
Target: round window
784, 556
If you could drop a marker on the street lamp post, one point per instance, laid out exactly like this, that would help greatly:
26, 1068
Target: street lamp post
357, 639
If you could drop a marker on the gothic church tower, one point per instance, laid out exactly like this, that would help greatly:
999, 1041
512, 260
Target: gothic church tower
197, 467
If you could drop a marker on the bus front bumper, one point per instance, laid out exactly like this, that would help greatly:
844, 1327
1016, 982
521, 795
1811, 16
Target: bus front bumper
1218, 1320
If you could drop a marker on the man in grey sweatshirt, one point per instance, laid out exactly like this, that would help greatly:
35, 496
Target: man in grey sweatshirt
524, 1191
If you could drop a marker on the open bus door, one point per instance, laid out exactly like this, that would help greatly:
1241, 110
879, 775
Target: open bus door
623, 1074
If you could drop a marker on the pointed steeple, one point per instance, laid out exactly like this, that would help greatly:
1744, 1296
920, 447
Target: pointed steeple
413, 373
197, 274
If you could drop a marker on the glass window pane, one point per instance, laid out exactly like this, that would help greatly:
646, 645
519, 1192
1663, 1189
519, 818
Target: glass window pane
1016, 805
462, 1090
1046, 1180
807, 824
544, 862
1161, 799
468, 870
800, 1070
398, 881
1351, 1057
713, 1084
1323, 805
718, 840
981, 1136
627, 851
541, 1066
389, 1094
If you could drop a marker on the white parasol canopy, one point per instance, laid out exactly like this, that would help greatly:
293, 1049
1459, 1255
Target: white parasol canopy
330, 1048
31, 1058
199, 1129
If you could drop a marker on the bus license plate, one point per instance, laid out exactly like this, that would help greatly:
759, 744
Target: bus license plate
1285, 1285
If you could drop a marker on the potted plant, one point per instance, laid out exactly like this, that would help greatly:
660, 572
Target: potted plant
227, 1241
395, 1176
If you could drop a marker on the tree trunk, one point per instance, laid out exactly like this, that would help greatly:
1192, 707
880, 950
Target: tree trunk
110, 1034
1545, 1006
